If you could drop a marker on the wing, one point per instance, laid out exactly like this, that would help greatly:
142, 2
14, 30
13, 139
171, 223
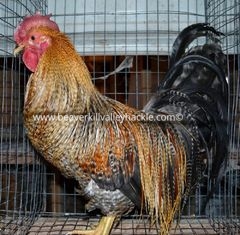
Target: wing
113, 161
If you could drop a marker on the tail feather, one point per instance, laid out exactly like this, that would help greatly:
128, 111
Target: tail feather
182, 75
189, 34
195, 86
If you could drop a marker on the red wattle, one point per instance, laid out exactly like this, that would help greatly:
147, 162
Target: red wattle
30, 59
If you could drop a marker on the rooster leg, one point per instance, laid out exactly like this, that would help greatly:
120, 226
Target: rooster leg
103, 228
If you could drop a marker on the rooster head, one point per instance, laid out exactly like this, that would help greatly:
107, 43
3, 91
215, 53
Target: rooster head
31, 40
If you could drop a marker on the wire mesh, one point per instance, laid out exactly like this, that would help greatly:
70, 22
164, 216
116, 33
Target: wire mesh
224, 15
21, 173
128, 226
34, 197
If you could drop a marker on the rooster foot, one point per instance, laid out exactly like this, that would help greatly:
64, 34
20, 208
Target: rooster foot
104, 227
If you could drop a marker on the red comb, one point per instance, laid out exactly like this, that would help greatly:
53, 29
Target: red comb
33, 21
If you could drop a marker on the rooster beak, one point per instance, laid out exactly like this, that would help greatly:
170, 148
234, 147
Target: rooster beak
17, 50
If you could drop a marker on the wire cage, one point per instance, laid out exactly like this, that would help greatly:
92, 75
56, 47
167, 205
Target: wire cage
34, 197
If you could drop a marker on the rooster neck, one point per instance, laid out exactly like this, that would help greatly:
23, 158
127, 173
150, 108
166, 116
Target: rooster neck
61, 84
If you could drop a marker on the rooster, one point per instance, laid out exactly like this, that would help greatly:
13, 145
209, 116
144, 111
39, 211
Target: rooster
121, 157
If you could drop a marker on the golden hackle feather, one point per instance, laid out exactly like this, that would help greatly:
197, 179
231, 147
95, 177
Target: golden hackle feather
154, 168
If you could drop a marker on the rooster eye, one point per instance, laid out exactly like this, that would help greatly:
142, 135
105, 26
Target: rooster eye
33, 38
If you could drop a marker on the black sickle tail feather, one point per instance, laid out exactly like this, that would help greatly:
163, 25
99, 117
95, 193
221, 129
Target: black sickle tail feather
195, 86
187, 35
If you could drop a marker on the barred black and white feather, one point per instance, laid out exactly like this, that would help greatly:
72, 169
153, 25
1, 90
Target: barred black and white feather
196, 87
